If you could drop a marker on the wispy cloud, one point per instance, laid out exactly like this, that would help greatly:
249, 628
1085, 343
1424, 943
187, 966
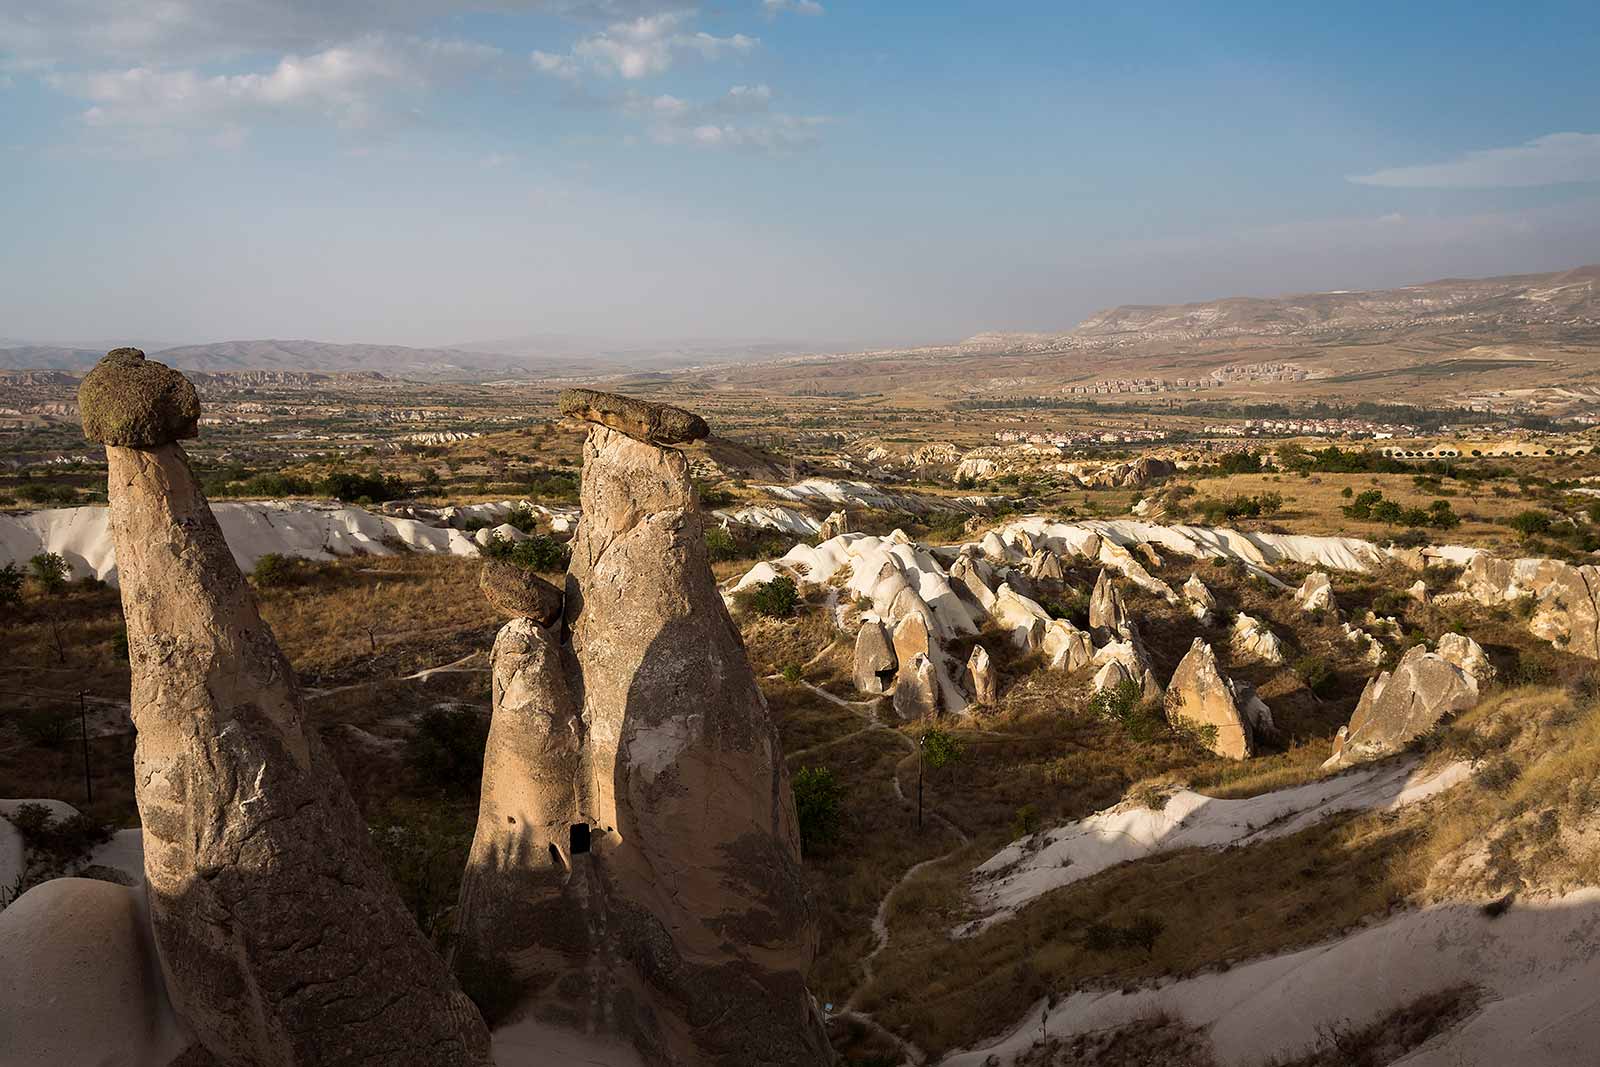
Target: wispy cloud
346, 85
774, 8
180, 32
640, 48
743, 118
1554, 159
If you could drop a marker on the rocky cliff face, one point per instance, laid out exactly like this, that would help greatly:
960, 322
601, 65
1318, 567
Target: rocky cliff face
674, 896
280, 936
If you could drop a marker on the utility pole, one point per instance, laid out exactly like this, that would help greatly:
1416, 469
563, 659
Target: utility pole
919, 783
83, 735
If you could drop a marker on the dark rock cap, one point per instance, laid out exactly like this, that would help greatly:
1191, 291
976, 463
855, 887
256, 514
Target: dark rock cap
133, 402
519, 593
656, 424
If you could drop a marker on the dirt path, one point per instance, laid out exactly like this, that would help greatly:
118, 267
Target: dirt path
880, 921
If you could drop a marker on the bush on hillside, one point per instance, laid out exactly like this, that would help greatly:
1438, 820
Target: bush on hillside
817, 796
777, 599
540, 553
446, 752
50, 570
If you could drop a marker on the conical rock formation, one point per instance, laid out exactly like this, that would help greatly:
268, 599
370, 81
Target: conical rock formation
693, 929
280, 937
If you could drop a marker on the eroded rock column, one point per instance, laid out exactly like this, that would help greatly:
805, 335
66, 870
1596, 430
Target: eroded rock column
519, 902
696, 859
282, 940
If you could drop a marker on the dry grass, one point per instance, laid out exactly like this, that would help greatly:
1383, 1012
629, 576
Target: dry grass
1529, 824
1213, 908
1396, 1034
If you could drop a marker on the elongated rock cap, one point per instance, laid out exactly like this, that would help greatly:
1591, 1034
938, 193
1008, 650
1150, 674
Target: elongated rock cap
134, 402
519, 593
656, 424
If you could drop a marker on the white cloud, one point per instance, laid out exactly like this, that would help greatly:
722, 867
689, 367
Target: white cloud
347, 85
741, 119
183, 32
1553, 159
774, 8
640, 48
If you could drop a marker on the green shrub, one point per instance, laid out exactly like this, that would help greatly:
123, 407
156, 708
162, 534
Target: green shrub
45, 728
540, 553
347, 486
523, 518
1142, 933
817, 796
276, 570
1317, 675
446, 752
1531, 523
720, 545
1124, 705
63, 840
10, 586
50, 570
776, 599
940, 749
1026, 821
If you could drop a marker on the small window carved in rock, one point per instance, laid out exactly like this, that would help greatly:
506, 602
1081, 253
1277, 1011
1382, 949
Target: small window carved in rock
580, 838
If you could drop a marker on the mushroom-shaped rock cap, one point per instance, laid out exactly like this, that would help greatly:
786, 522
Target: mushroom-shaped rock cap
657, 424
519, 593
134, 402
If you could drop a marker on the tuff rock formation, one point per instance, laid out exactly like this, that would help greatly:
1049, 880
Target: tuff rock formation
1198, 694
1022, 616
1399, 706
1254, 640
912, 638
1129, 653
280, 937
916, 689
1315, 594
1106, 612
671, 909
1045, 566
835, 524
519, 593
875, 662
974, 581
519, 901
980, 677
1067, 647
1566, 597
132, 402
656, 424
1201, 600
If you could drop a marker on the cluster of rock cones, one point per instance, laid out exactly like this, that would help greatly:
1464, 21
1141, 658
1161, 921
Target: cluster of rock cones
636, 865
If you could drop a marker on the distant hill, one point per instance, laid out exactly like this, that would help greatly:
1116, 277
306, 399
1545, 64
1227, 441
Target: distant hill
1559, 298
522, 357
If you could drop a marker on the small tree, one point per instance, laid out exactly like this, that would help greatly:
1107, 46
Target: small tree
776, 599
10, 586
940, 749
50, 571
816, 806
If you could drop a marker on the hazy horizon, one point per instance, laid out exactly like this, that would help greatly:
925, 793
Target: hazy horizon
464, 171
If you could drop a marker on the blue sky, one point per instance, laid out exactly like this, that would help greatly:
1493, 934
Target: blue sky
443, 171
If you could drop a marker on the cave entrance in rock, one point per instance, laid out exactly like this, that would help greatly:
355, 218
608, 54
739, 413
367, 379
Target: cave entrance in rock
579, 838
885, 679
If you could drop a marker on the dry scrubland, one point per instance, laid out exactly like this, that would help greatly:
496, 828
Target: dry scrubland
393, 655
359, 632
